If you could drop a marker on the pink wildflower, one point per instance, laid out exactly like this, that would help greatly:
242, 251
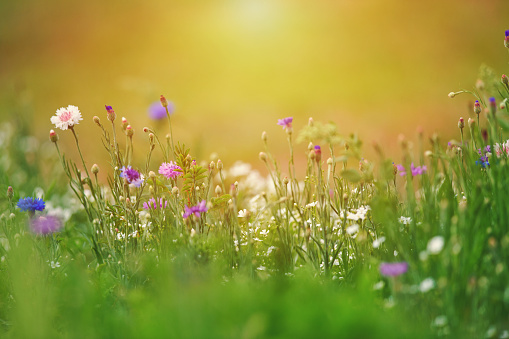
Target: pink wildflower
170, 170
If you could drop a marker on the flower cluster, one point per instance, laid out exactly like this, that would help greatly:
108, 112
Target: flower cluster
131, 175
170, 170
153, 204
196, 210
419, 170
31, 204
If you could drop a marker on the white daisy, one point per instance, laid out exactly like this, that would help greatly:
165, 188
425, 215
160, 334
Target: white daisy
66, 117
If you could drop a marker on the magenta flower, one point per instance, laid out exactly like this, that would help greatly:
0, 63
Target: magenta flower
170, 170
45, 225
131, 175
286, 123
158, 112
196, 210
419, 170
393, 269
151, 204
401, 170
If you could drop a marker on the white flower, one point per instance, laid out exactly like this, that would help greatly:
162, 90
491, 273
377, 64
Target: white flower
312, 204
435, 245
54, 264
352, 229
377, 242
426, 285
242, 213
405, 220
66, 117
352, 216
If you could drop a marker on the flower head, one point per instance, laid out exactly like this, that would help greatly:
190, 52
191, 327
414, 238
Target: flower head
66, 117
170, 170
196, 210
393, 269
286, 123
45, 224
110, 113
30, 204
152, 204
131, 175
418, 170
157, 112
401, 170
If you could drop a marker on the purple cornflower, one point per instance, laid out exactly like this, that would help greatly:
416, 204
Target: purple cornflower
31, 204
487, 149
170, 170
157, 112
196, 210
401, 170
417, 170
483, 161
393, 269
45, 224
131, 175
507, 33
151, 204
286, 123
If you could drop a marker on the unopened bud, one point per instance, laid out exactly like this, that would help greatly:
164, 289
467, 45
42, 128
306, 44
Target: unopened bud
493, 105
461, 123
124, 123
311, 122
477, 107
129, 131
95, 169
212, 165
151, 138
151, 175
10, 192
53, 136
505, 80
264, 136
97, 121
285, 181
218, 190
479, 84
312, 155
110, 113
503, 104
175, 190
330, 161
394, 169
219, 164
164, 102
310, 146
145, 129
151, 190
345, 197
428, 154
471, 122
318, 153
451, 95
262, 156
506, 39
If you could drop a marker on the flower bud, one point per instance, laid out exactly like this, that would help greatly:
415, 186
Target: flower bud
394, 169
477, 107
124, 123
218, 190
330, 161
285, 181
219, 164
110, 113
428, 154
451, 95
53, 136
151, 190
97, 121
129, 131
212, 165
461, 124
151, 138
164, 102
311, 122
493, 105
264, 136
479, 84
175, 190
471, 122
312, 155
262, 156
506, 40
505, 80
503, 104
151, 175
318, 153
95, 169
145, 129
10, 192
310, 146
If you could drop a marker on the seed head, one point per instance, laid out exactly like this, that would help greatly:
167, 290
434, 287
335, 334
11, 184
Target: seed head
53, 136
95, 169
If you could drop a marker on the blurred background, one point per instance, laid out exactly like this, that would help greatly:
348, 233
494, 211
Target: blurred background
233, 68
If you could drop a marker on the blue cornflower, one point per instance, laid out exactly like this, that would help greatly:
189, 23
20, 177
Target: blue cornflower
483, 162
30, 204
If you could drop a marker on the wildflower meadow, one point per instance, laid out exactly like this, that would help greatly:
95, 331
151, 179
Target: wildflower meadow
161, 243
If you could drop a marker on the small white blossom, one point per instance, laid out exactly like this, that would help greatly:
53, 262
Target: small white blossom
435, 245
377, 242
405, 220
242, 213
352, 229
426, 285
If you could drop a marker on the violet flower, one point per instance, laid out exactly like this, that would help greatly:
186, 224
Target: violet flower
286, 123
419, 170
131, 175
393, 269
45, 225
401, 170
152, 204
157, 112
196, 210
170, 170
